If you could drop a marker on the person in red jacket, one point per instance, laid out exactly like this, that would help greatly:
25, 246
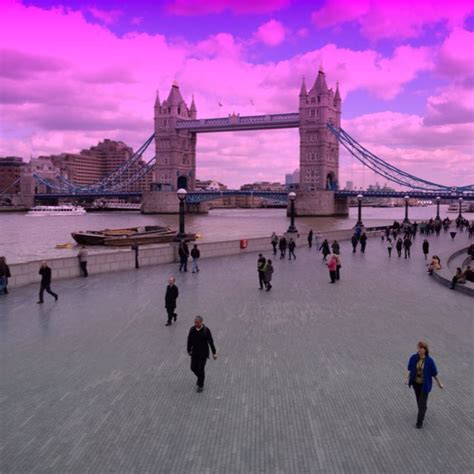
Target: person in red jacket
332, 267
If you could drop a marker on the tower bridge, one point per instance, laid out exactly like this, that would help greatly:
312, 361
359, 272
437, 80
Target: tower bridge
177, 127
318, 120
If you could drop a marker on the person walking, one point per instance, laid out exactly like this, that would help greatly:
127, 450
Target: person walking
261, 262
171, 296
282, 247
336, 248
310, 238
135, 249
195, 255
45, 284
332, 267
183, 253
399, 246
324, 248
291, 249
354, 242
389, 247
274, 241
426, 248
4, 276
199, 341
268, 275
406, 247
338, 267
82, 256
421, 370
363, 242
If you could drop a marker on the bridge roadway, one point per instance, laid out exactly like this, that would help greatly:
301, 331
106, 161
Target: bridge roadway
200, 196
309, 377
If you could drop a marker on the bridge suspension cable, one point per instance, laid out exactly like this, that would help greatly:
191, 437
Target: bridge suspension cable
388, 171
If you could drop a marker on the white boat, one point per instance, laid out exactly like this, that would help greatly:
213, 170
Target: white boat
64, 210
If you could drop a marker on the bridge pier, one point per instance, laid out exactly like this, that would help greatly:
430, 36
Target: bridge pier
320, 204
166, 202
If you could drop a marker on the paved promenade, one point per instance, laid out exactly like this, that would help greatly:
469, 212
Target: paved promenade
309, 377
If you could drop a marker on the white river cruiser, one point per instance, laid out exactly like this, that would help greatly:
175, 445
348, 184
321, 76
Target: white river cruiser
64, 210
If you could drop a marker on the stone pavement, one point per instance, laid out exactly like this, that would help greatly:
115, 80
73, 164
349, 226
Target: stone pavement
309, 377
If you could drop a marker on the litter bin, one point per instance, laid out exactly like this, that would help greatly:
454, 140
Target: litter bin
243, 243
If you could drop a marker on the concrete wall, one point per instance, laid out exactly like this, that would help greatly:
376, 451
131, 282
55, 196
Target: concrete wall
26, 273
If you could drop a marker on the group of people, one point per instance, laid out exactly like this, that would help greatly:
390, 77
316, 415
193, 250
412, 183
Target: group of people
462, 276
199, 338
283, 245
184, 253
265, 272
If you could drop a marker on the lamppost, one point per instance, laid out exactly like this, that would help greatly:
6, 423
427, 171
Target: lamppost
460, 208
292, 228
182, 193
359, 216
406, 220
438, 199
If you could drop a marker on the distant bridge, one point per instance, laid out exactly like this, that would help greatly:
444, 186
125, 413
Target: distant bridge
203, 196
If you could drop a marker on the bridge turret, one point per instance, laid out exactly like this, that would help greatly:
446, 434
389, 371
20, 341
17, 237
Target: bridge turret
193, 110
303, 92
337, 105
157, 101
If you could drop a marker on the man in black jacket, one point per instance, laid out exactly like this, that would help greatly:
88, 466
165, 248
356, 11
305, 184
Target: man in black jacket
171, 296
199, 340
261, 262
45, 273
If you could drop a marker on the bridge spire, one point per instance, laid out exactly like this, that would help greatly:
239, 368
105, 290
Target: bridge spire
157, 100
193, 109
303, 91
337, 96
320, 83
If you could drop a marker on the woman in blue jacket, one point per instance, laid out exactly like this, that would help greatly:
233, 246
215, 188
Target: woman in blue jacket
421, 369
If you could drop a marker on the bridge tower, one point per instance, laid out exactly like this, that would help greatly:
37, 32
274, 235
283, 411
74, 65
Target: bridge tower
319, 150
175, 149
175, 155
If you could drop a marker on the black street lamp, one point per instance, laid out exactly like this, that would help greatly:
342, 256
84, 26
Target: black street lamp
292, 228
460, 208
182, 193
359, 216
438, 199
406, 220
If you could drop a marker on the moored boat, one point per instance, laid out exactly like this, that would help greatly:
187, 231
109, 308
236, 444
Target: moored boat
127, 236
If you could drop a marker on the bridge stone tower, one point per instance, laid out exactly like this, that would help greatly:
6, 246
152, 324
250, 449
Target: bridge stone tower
319, 151
175, 155
175, 149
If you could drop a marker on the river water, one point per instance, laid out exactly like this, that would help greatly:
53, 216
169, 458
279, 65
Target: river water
24, 238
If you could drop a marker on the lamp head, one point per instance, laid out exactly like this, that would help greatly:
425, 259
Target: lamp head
438, 199
406, 197
359, 197
181, 194
292, 196
460, 199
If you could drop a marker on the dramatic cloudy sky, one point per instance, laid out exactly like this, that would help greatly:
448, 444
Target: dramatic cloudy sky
73, 72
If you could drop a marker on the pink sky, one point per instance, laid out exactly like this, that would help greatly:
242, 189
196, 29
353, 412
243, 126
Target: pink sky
72, 75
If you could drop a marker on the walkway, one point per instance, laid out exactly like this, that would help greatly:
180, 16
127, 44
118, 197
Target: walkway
309, 378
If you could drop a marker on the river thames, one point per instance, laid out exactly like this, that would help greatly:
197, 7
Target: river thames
24, 238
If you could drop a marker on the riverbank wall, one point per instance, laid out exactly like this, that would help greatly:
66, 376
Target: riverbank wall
122, 260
